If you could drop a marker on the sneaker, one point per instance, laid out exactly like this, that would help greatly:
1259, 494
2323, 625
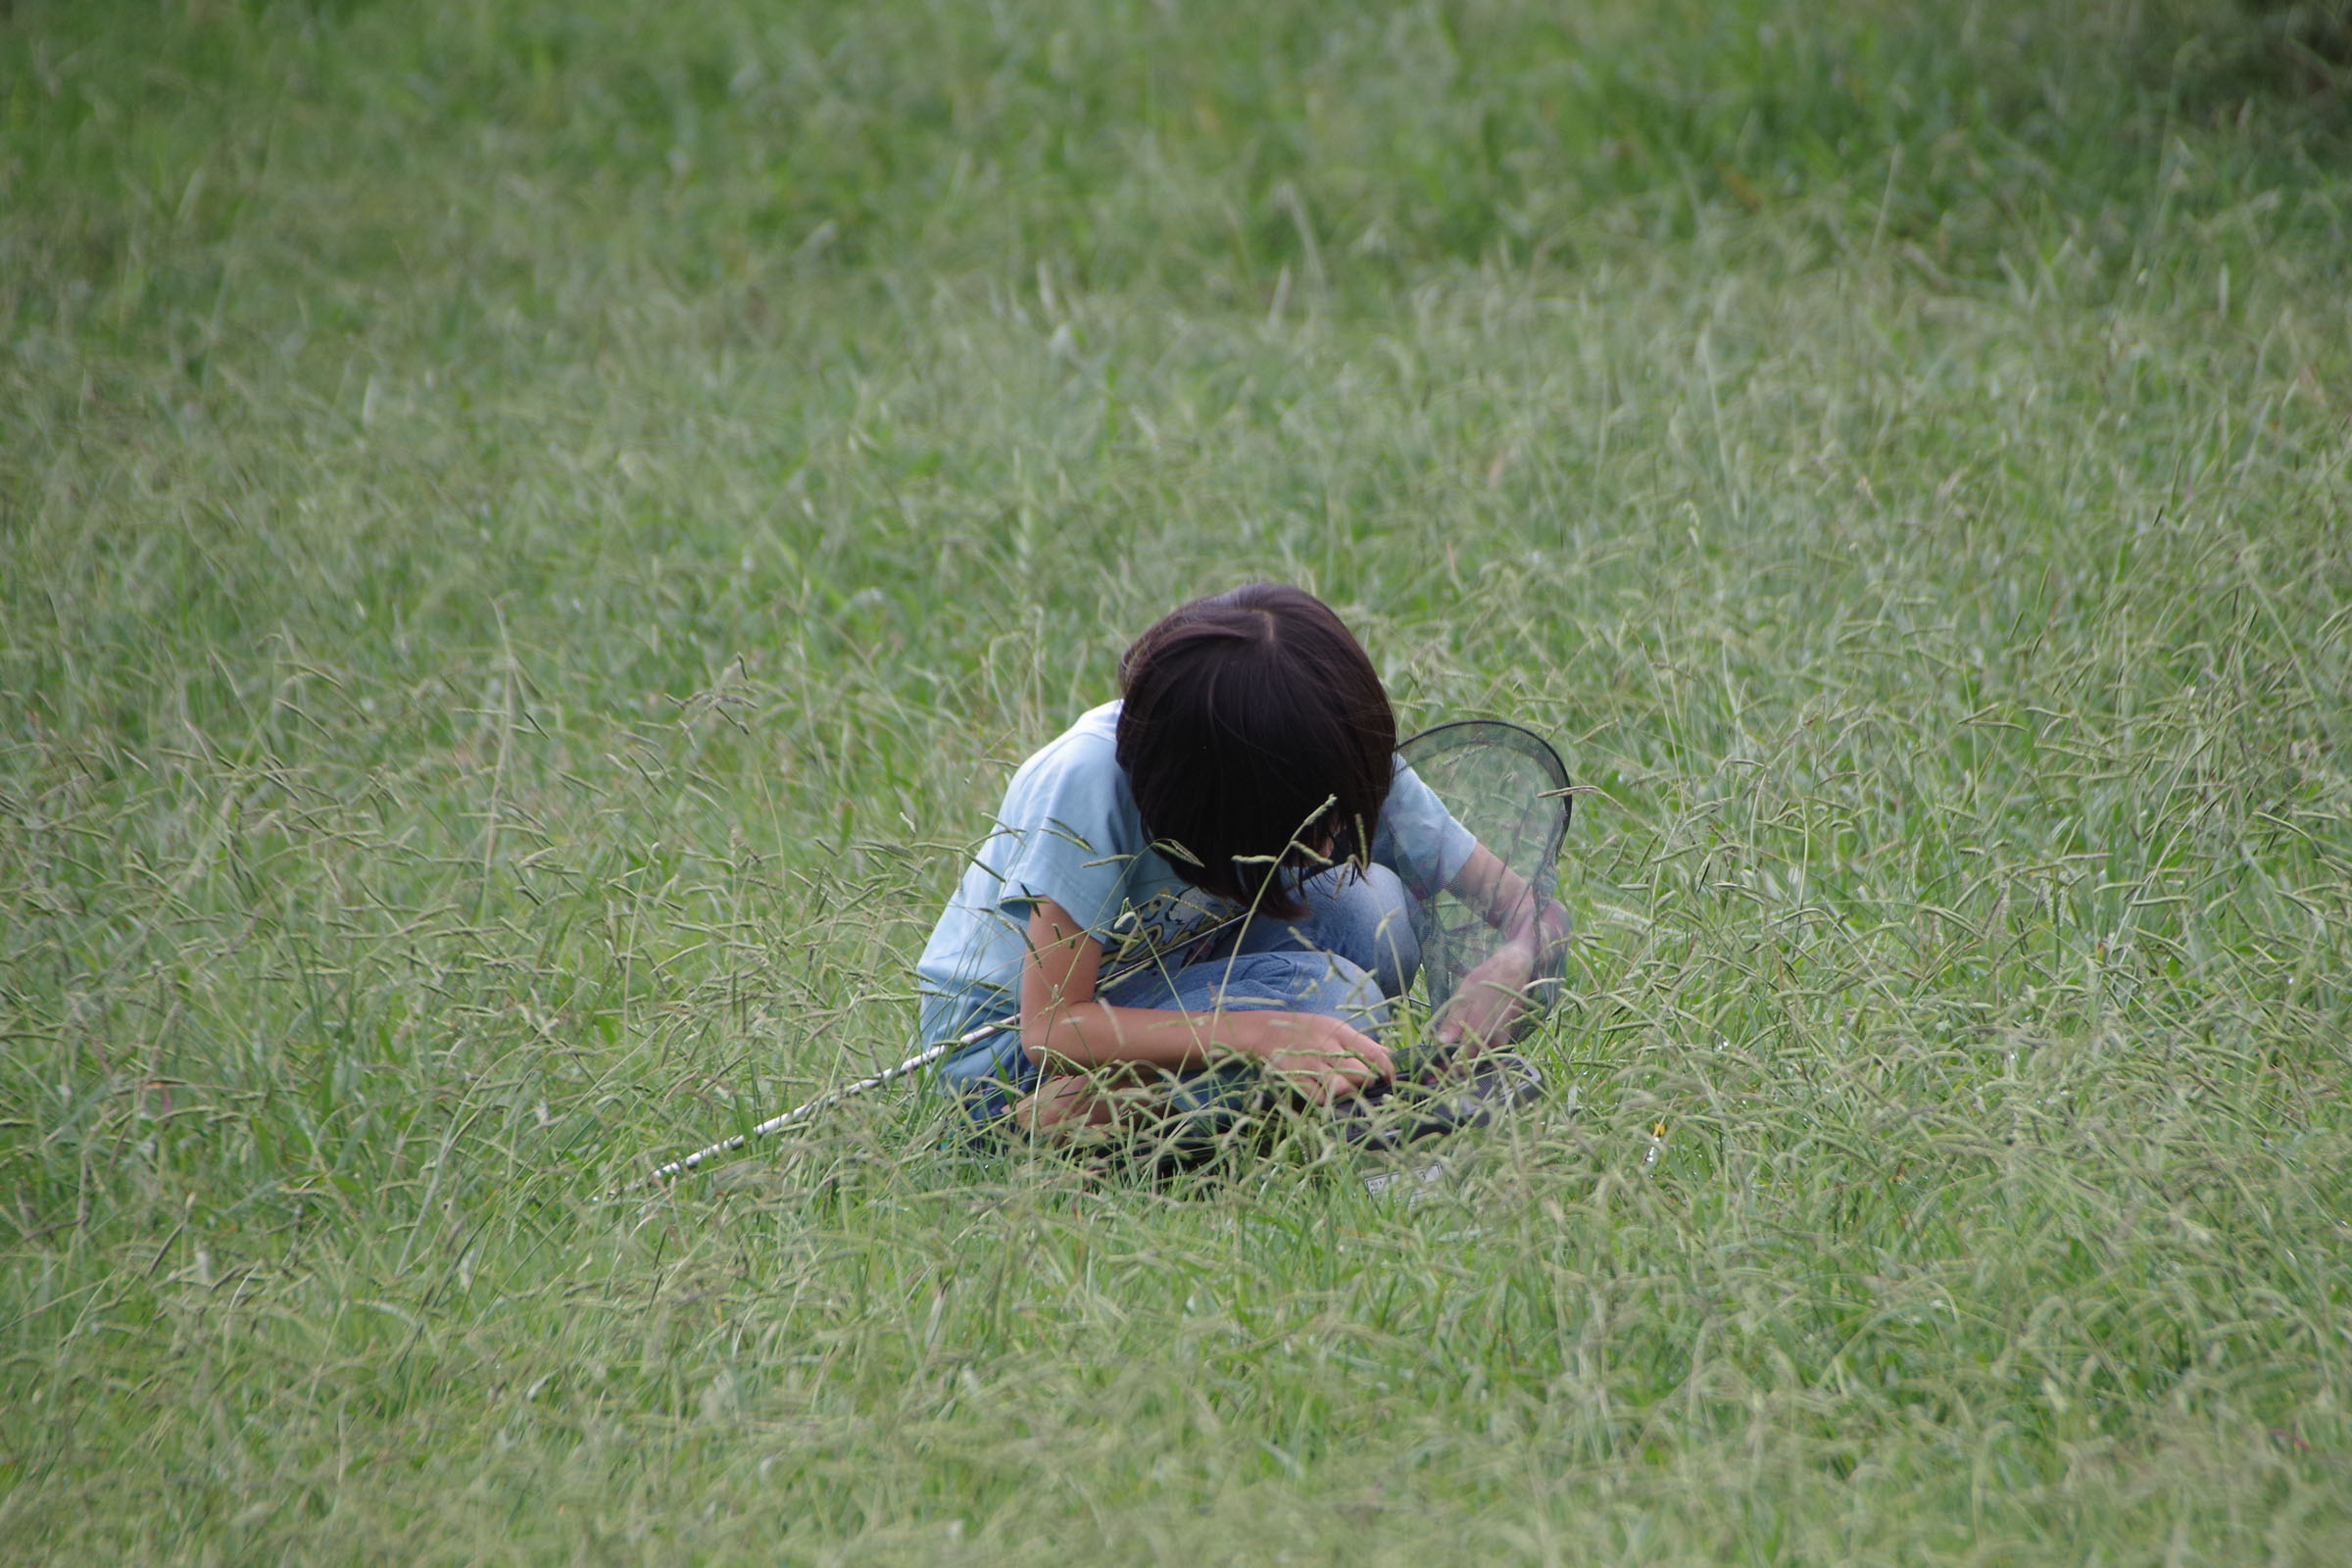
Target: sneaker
1446, 1100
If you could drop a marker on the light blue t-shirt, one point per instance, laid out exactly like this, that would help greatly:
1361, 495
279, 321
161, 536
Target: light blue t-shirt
1069, 832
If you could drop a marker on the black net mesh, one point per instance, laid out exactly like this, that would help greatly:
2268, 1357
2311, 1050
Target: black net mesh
1509, 788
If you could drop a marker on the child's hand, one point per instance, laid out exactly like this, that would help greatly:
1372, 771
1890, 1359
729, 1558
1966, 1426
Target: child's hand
1496, 994
1489, 998
1324, 1059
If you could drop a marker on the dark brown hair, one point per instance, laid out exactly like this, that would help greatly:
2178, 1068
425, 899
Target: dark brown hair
1254, 724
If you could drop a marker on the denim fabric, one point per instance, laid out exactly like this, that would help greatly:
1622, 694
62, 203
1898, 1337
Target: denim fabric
1350, 956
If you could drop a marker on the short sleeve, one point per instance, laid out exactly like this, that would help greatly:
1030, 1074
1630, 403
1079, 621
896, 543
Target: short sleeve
1068, 833
1418, 837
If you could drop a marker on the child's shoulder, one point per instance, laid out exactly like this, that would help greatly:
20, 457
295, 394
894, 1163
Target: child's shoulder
1088, 750
1091, 738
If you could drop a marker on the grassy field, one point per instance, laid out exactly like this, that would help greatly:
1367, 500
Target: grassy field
531, 535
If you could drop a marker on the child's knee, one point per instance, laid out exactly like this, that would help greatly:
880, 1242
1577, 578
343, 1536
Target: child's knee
1301, 981
1367, 919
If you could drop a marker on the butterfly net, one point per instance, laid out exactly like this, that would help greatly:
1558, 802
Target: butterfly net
1509, 787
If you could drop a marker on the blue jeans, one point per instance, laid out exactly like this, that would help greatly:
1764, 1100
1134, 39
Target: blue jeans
1350, 956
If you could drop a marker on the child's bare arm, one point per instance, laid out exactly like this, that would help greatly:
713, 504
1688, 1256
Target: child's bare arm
1500, 894
1064, 1026
1493, 994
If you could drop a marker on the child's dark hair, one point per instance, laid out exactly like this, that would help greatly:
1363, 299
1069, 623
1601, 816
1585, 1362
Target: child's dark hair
1245, 713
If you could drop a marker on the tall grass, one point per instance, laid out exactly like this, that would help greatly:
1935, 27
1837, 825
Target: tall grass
530, 537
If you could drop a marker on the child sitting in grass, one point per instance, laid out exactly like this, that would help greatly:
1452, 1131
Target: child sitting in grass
1205, 886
